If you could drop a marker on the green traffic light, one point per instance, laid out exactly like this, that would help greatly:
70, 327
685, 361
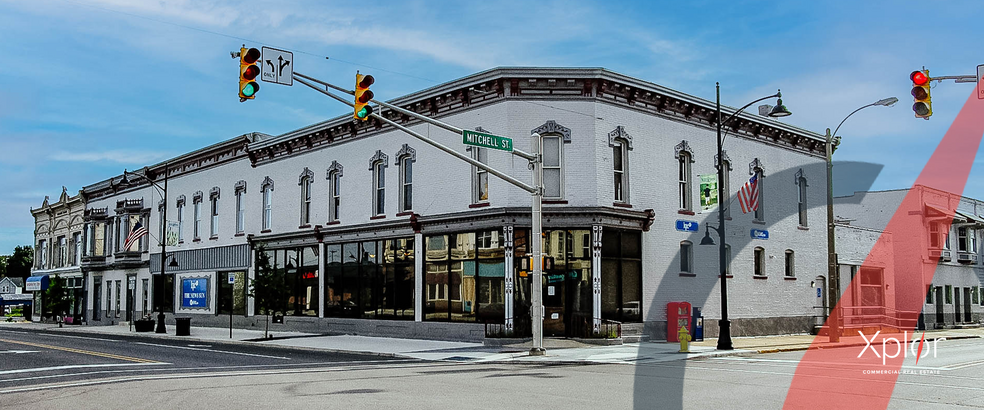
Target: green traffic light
250, 89
364, 112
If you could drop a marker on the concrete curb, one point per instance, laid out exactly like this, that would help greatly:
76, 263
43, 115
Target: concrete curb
796, 349
146, 336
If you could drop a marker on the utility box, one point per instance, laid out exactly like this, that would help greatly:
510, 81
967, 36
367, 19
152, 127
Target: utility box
677, 314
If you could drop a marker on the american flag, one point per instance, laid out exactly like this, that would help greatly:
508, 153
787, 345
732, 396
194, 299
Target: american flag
136, 233
748, 195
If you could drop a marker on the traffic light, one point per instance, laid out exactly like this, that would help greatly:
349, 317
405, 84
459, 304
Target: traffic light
922, 102
362, 96
248, 71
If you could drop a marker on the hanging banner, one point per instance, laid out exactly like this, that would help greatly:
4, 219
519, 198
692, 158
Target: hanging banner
708, 192
172, 233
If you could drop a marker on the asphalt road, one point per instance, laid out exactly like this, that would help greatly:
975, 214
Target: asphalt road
33, 359
248, 377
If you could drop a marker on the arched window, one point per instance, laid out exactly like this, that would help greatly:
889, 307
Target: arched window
267, 189
304, 181
620, 142
377, 164
686, 257
759, 261
801, 191
405, 159
334, 191
790, 263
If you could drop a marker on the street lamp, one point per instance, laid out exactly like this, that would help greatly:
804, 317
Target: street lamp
159, 282
780, 110
833, 279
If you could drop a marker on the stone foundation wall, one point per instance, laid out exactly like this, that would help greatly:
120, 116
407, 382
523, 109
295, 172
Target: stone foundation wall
743, 327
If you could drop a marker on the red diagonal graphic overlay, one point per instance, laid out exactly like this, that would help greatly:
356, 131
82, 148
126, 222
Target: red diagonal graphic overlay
921, 341
843, 376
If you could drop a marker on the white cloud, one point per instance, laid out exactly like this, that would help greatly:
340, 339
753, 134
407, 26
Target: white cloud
122, 156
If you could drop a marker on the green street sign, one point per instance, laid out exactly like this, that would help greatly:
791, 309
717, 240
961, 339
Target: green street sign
481, 139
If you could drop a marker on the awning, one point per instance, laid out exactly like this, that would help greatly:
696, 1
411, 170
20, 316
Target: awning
970, 218
16, 299
36, 283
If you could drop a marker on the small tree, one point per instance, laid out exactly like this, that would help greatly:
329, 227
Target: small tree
268, 288
56, 297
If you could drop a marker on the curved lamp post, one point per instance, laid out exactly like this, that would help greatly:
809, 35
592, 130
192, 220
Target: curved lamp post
833, 279
159, 282
724, 325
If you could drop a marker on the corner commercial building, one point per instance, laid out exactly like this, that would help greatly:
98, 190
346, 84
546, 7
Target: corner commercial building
379, 233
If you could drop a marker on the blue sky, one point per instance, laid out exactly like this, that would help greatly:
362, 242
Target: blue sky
90, 87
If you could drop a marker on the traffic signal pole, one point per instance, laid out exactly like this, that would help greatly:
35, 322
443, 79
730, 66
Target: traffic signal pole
536, 190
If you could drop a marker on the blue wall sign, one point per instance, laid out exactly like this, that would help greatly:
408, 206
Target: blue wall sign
818, 292
194, 293
687, 226
760, 234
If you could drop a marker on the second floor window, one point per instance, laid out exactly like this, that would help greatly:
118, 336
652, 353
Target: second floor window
305, 200
379, 187
683, 166
760, 207
801, 181
181, 212
620, 167
267, 207
334, 195
214, 232
198, 219
406, 183
240, 212
553, 170
480, 180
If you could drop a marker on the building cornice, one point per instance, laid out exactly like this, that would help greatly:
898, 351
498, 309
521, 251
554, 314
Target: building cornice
527, 83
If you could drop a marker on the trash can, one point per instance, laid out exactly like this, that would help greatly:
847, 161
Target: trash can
182, 326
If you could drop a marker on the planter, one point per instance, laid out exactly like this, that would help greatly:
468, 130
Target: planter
143, 325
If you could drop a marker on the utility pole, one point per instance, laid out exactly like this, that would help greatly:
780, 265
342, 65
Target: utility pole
535, 161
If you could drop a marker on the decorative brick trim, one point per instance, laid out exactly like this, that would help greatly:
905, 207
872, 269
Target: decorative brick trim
306, 173
333, 223
686, 212
406, 151
621, 204
405, 213
551, 127
683, 146
266, 231
479, 205
305, 226
377, 217
759, 277
619, 133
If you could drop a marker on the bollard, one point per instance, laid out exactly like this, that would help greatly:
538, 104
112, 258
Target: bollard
684, 337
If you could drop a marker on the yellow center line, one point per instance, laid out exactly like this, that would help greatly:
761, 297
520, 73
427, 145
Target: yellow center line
88, 352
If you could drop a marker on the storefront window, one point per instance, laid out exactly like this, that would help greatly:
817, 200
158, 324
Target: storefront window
373, 279
621, 276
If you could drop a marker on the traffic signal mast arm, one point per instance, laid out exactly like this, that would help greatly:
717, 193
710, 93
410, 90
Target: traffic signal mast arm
448, 127
301, 79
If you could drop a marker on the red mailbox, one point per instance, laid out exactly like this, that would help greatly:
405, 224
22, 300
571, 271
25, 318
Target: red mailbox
677, 314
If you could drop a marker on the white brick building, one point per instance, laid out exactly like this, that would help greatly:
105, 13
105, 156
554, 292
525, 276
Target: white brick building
434, 248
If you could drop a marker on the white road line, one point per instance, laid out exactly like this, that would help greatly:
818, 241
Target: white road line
18, 351
965, 365
213, 351
832, 364
76, 366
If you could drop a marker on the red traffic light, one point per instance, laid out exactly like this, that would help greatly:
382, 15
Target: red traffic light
251, 56
918, 78
367, 80
251, 72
